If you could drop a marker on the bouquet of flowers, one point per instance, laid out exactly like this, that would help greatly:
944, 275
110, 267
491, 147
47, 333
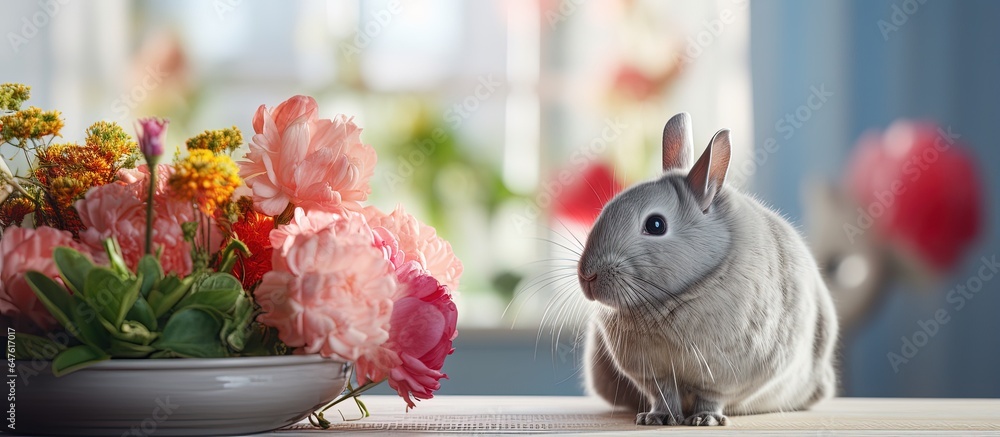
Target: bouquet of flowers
209, 257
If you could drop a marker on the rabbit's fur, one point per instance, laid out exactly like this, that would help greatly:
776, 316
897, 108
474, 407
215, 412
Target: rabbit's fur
724, 314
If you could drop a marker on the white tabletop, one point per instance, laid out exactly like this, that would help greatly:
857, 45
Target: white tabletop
541, 414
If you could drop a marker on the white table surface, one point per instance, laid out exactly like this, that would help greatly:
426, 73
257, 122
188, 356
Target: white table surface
572, 415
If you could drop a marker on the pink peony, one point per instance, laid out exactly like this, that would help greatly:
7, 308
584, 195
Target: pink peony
421, 332
420, 243
114, 210
298, 158
389, 245
331, 289
346, 226
29, 249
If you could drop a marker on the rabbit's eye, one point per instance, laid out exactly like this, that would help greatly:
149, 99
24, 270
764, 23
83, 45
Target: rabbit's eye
655, 225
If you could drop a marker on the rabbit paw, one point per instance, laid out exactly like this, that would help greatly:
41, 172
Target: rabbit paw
706, 418
657, 418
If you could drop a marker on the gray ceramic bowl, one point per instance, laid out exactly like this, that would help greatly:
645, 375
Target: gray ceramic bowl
175, 396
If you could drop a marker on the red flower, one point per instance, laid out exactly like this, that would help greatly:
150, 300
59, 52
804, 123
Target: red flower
582, 199
254, 230
920, 188
421, 332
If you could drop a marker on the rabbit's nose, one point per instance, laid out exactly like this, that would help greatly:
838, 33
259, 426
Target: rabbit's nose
587, 284
581, 271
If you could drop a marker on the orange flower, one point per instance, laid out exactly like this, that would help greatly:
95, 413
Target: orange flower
13, 211
254, 230
68, 170
206, 179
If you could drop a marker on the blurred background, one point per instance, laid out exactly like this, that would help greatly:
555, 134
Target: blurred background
507, 124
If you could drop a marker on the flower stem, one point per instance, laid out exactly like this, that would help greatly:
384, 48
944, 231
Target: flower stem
151, 163
352, 393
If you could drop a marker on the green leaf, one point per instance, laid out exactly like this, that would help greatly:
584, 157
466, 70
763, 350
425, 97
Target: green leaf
53, 296
124, 349
73, 267
142, 313
220, 282
108, 326
168, 292
153, 298
78, 317
163, 354
115, 257
237, 339
218, 290
229, 254
33, 347
235, 331
110, 294
76, 358
192, 332
134, 332
88, 325
151, 272
244, 309
263, 341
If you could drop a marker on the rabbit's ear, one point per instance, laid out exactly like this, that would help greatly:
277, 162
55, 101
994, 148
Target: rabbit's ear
709, 173
678, 143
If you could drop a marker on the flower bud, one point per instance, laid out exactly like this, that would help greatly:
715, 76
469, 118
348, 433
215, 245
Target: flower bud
151, 133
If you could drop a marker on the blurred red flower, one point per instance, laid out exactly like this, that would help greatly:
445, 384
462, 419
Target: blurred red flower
920, 189
583, 196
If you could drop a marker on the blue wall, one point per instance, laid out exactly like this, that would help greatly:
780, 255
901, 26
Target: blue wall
942, 64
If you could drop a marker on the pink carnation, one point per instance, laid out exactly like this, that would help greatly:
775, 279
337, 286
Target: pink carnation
138, 178
167, 205
114, 210
23, 250
421, 333
420, 243
138, 182
298, 158
331, 289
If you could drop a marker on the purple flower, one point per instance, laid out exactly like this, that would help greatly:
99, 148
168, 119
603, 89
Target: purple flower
151, 133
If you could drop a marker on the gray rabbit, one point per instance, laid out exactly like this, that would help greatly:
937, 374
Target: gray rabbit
712, 303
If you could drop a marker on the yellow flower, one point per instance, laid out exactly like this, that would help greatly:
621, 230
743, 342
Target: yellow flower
218, 141
205, 179
113, 143
31, 123
12, 95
